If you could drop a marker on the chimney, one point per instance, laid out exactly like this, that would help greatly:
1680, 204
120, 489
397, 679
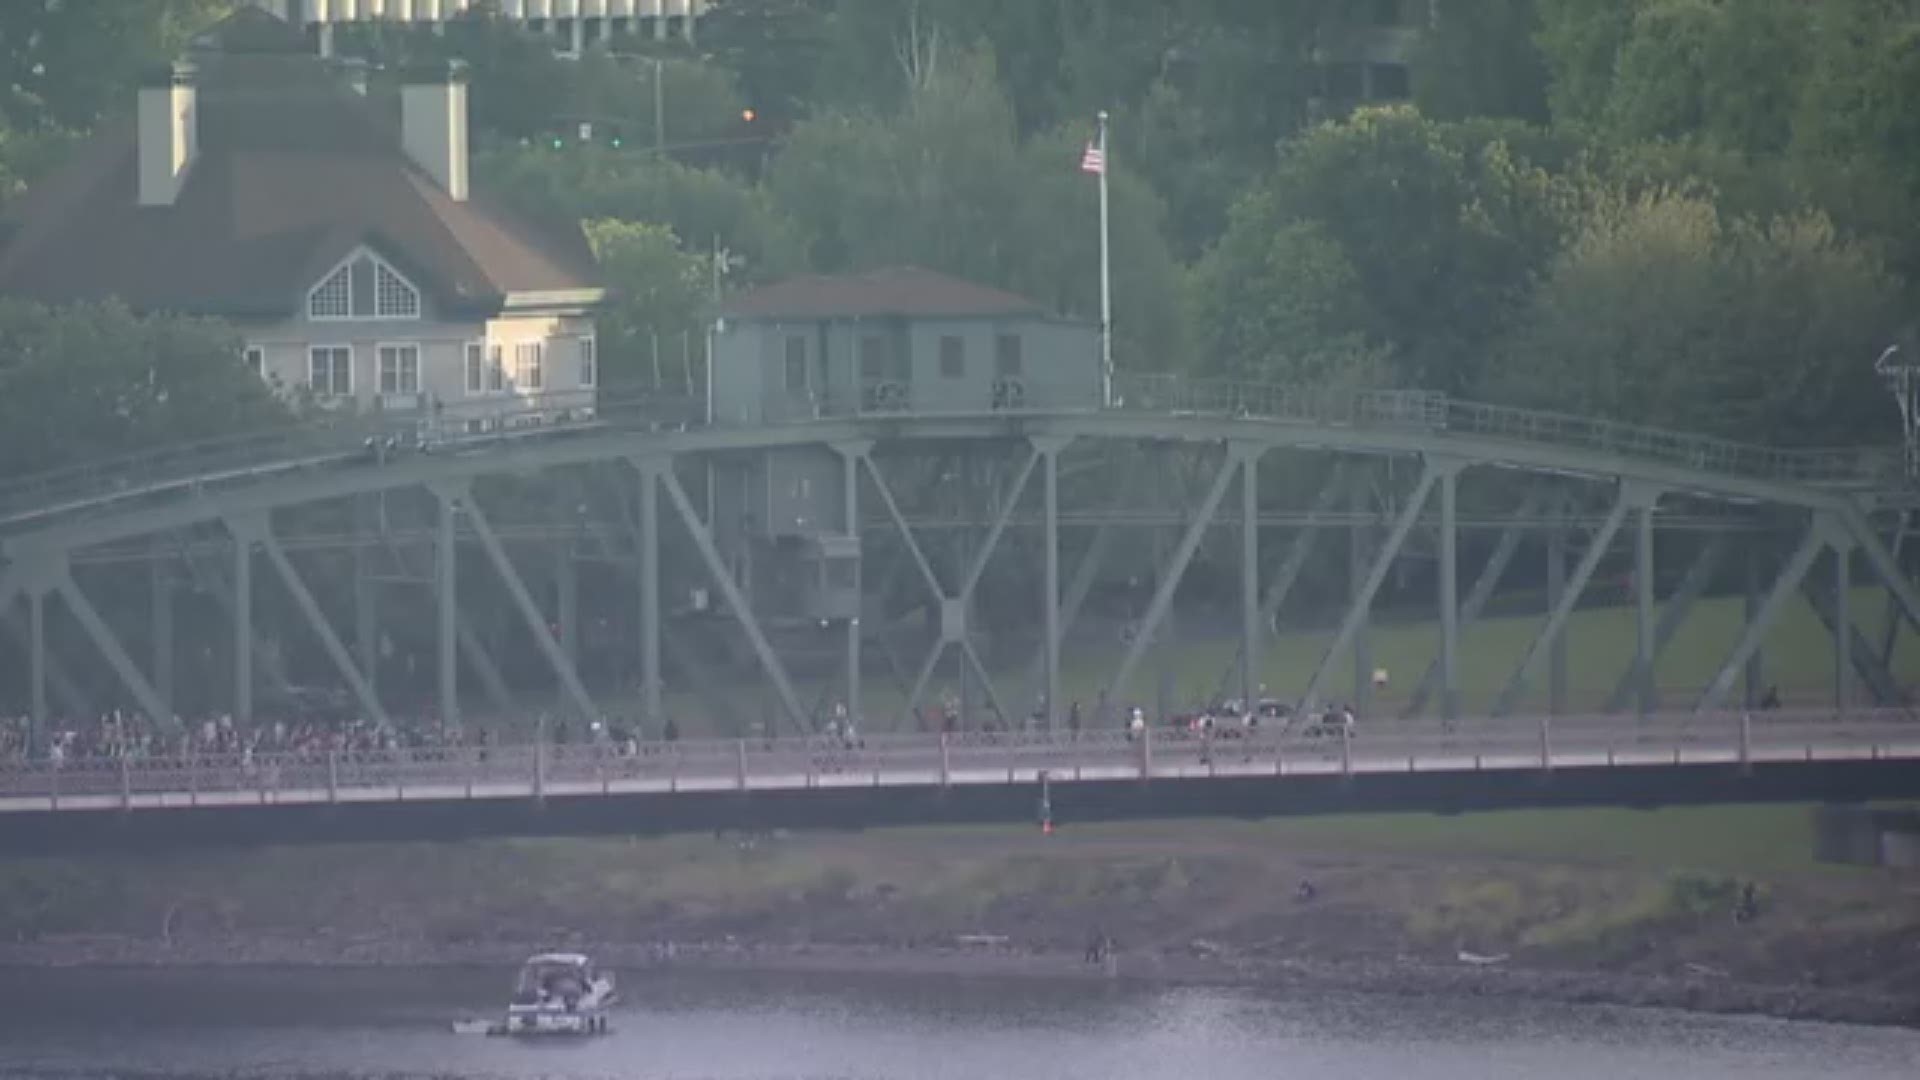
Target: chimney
168, 118
433, 123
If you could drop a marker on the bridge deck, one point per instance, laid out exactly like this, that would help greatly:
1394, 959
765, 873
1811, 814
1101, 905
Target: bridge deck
927, 762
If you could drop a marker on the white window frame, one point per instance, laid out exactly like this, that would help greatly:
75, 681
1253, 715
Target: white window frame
530, 377
313, 351
496, 369
384, 276
399, 349
343, 271
589, 361
343, 275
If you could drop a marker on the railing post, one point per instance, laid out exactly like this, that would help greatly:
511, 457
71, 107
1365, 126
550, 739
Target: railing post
53, 775
193, 778
946, 762
1746, 743
126, 786
740, 761
540, 763
1146, 753
333, 775
1546, 743
1346, 752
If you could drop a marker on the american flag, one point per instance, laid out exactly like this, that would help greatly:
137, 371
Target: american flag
1094, 160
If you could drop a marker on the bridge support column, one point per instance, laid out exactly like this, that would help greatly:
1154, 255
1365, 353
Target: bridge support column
1478, 595
1557, 592
1645, 646
1755, 668
1843, 631
260, 530
61, 681
650, 689
1359, 596
446, 575
735, 599
243, 640
160, 631
1298, 551
1890, 633
571, 688
1757, 628
1236, 457
1449, 594
37, 665
1629, 497
1251, 645
1050, 616
850, 495
566, 588
1698, 576
366, 590
1362, 602
1084, 575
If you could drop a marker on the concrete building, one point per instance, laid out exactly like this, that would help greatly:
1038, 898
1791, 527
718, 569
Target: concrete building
340, 233
575, 25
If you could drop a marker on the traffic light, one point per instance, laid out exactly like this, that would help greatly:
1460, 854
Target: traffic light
749, 115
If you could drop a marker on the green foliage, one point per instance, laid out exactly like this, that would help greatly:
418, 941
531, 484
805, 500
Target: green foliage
1664, 311
1441, 227
699, 205
94, 380
946, 182
65, 65
654, 288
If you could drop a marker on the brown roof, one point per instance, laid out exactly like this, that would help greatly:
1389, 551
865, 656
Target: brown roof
293, 171
897, 291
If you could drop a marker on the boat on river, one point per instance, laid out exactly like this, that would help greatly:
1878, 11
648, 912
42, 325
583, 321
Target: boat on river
554, 994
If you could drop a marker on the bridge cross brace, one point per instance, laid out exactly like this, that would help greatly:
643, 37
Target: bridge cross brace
954, 604
457, 498
255, 529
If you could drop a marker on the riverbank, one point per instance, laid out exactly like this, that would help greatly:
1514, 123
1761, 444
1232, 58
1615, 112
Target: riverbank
1702, 991
1626, 907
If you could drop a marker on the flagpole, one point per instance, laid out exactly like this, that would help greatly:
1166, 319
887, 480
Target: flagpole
1106, 275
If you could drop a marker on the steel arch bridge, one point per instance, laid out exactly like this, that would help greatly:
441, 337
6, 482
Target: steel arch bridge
606, 480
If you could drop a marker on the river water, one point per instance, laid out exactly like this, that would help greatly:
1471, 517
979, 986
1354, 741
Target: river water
383, 1025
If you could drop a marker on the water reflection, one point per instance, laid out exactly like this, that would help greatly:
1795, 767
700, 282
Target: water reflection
374, 1025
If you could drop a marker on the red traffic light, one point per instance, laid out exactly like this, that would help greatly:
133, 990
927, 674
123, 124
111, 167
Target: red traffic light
749, 115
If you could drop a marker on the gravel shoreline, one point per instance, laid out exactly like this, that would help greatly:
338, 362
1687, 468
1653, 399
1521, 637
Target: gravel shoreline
1703, 992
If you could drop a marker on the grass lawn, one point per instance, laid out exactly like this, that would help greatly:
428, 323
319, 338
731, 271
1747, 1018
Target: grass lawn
1798, 658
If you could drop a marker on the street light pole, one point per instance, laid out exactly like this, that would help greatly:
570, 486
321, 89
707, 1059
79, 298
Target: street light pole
659, 106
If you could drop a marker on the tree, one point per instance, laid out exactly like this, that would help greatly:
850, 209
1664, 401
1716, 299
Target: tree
700, 206
65, 64
1279, 305
1443, 228
1664, 312
774, 48
700, 102
945, 182
656, 291
96, 380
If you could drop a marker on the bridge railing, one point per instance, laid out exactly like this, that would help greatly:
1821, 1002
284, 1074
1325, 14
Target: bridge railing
519, 770
464, 424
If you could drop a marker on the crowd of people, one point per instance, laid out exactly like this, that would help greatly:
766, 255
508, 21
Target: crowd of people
133, 736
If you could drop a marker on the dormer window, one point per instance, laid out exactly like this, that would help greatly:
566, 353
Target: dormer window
333, 298
363, 286
393, 296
